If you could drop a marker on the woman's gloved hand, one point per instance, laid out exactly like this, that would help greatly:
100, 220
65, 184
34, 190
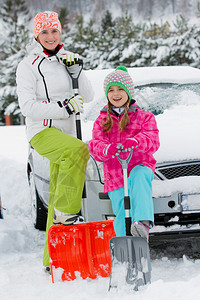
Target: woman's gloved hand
74, 104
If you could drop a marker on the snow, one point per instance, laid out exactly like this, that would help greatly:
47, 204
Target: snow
140, 76
21, 246
182, 122
185, 185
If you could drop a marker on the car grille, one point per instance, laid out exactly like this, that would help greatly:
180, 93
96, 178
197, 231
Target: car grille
178, 170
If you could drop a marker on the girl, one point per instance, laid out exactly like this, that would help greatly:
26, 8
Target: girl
120, 127
46, 99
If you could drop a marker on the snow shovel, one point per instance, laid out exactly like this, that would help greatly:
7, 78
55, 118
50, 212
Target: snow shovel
80, 249
130, 257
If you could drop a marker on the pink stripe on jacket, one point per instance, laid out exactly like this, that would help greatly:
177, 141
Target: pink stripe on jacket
142, 127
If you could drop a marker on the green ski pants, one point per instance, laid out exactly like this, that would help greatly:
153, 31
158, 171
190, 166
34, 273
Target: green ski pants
68, 161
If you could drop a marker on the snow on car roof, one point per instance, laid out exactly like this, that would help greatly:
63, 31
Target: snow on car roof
141, 76
145, 75
167, 74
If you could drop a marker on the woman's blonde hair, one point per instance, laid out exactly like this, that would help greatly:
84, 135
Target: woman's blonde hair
108, 124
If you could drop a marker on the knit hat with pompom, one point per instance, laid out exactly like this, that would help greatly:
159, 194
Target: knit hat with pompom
44, 20
121, 78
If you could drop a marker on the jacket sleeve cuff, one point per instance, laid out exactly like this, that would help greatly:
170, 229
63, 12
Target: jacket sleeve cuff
67, 110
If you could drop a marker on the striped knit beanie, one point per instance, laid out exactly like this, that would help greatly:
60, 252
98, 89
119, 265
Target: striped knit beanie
121, 78
44, 20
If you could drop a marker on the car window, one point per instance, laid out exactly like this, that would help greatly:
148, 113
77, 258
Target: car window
161, 96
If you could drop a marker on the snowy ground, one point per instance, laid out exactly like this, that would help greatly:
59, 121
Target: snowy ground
21, 247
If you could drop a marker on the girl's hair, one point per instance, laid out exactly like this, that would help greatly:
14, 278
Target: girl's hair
108, 124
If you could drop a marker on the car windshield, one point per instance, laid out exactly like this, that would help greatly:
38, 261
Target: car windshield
158, 97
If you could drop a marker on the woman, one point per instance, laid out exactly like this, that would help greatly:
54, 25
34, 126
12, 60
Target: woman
46, 99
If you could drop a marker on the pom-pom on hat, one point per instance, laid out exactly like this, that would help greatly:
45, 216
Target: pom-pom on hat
121, 78
44, 20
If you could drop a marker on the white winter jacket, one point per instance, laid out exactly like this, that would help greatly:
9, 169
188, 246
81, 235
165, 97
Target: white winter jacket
42, 81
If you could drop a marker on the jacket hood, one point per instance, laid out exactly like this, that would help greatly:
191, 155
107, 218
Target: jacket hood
36, 48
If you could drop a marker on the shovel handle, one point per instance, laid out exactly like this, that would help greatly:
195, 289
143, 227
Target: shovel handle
124, 163
75, 89
77, 116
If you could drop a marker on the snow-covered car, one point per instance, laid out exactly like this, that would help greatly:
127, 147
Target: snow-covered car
173, 95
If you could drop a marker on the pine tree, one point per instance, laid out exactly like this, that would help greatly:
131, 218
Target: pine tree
178, 46
198, 9
106, 41
15, 18
83, 39
76, 35
107, 22
63, 17
126, 34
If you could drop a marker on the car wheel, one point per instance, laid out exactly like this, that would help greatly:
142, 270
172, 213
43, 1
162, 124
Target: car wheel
38, 211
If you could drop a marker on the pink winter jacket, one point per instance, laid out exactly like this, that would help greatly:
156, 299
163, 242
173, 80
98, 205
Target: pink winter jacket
142, 127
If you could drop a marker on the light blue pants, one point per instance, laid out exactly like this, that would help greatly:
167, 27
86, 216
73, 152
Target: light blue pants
140, 192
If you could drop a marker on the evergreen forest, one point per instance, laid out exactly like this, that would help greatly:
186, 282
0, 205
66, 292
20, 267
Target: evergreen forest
113, 42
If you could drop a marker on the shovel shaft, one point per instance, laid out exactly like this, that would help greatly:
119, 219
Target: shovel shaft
77, 116
124, 163
75, 86
128, 226
126, 204
78, 127
125, 182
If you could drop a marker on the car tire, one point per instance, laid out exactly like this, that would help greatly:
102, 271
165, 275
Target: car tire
38, 211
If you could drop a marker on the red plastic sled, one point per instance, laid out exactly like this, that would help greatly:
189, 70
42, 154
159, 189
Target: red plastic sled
80, 250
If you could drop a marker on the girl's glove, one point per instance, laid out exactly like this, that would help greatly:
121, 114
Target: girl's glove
74, 104
112, 150
130, 144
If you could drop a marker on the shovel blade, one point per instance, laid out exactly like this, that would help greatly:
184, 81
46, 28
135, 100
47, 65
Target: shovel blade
130, 262
80, 250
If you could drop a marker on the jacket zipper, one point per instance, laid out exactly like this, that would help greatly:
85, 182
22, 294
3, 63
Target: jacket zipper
45, 121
